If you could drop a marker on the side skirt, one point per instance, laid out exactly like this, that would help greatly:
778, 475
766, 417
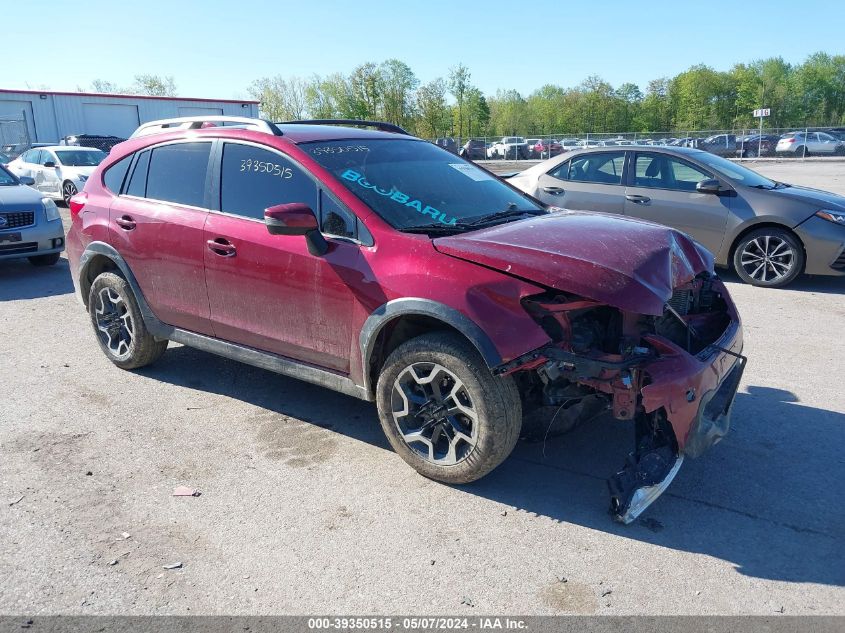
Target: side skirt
266, 360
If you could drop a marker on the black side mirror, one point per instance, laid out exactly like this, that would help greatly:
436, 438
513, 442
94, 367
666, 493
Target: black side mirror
296, 219
708, 185
26, 180
49, 163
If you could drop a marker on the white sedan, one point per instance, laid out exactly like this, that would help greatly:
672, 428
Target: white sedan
59, 171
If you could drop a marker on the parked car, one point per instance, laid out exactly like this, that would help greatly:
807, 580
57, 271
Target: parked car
807, 143
317, 252
757, 145
30, 225
531, 142
447, 143
719, 144
58, 171
769, 232
510, 147
16, 149
568, 144
474, 150
546, 148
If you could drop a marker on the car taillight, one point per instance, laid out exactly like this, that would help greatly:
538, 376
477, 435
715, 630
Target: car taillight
76, 203
789, 140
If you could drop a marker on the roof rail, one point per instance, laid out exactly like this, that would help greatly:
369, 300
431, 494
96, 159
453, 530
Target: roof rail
379, 125
197, 122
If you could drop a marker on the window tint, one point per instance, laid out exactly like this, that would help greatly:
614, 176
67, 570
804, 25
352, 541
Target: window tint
605, 168
254, 179
114, 175
47, 157
663, 172
33, 157
334, 219
177, 173
138, 181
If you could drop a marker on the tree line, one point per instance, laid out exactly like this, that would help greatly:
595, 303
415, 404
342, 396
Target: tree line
700, 98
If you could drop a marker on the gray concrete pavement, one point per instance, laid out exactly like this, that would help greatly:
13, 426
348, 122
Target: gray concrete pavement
305, 509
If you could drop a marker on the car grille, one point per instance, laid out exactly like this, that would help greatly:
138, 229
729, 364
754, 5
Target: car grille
839, 264
18, 248
18, 219
681, 301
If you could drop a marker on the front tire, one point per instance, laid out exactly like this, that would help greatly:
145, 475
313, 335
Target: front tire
118, 324
444, 412
768, 257
69, 190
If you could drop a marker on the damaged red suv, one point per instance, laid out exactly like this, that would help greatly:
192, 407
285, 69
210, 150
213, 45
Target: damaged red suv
384, 267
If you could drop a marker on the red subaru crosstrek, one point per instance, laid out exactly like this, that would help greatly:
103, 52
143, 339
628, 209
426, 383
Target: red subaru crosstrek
384, 267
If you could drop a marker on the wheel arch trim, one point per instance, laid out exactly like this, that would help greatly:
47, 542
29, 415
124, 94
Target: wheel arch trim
413, 306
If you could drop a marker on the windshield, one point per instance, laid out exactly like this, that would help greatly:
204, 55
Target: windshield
6, 179
80, 158
735, 171
412, 183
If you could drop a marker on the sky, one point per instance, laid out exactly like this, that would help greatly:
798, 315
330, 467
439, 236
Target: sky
214, 49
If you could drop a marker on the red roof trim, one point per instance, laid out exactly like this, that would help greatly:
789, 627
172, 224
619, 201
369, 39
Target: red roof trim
122, 96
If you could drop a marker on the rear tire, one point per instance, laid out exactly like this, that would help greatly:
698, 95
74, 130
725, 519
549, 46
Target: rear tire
118, 324
69, 190
768, 257
444, 412
801, 151
44, 260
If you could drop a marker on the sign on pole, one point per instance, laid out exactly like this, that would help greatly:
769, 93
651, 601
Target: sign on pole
761, 112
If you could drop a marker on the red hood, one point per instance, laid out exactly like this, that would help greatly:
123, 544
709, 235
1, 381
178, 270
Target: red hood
627, 263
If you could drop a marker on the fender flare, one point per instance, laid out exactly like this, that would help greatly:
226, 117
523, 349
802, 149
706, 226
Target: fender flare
156, 327
413, 306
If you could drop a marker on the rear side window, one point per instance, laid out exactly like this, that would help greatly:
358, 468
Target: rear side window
177, 173
254, 179
114, 175
604, 168
138, 182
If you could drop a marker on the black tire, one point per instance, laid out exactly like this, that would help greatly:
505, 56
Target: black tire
118, 324
748, 268
44, 260
751, 153
68, 191
801, 151
494, 400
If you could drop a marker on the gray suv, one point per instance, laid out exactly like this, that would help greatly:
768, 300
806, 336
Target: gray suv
30, 224
769, 232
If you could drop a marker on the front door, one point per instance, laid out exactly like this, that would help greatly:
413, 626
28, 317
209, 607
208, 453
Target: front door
50, 181
587, 182
663, 190
267, 291
157, 226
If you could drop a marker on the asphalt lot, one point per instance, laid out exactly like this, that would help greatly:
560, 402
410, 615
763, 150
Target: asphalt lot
304, 508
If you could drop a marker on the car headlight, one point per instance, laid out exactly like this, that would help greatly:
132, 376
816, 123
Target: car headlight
837, 217
82, 178
51, 211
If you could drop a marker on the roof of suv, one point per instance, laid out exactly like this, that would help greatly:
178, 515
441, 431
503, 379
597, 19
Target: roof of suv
306, 133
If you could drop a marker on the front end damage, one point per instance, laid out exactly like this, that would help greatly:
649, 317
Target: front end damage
674, 375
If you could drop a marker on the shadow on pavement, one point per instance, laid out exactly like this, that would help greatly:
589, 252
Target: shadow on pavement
767, 498
805, 283
21, 280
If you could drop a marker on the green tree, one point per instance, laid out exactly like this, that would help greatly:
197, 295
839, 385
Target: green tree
458, 84
281, 99
154, 86
398, 83
434, 118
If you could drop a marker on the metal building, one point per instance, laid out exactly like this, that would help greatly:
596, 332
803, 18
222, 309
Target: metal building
38, 116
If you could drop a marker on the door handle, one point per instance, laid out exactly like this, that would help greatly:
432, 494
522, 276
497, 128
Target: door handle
555, 191
125, 222
638, 199
221, 246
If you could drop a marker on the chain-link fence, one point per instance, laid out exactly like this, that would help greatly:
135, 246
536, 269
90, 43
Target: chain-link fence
14, 135
735, 143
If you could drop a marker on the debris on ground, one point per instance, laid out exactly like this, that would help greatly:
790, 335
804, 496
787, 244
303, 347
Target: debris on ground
113, 562
16, 501
504, 513
432, 561
125, 535
88, 474
652, 524
606, 592
563, 579
176, 565
468, 602
186, 491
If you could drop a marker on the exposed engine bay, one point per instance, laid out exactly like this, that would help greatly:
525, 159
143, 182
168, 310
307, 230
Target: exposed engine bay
673, 374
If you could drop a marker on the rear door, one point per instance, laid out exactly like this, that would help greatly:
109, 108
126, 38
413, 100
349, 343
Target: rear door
157, 226
589, 182
662, 190
51, 182
267, 291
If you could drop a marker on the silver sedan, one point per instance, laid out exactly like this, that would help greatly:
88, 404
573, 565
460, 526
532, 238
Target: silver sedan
769, 232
